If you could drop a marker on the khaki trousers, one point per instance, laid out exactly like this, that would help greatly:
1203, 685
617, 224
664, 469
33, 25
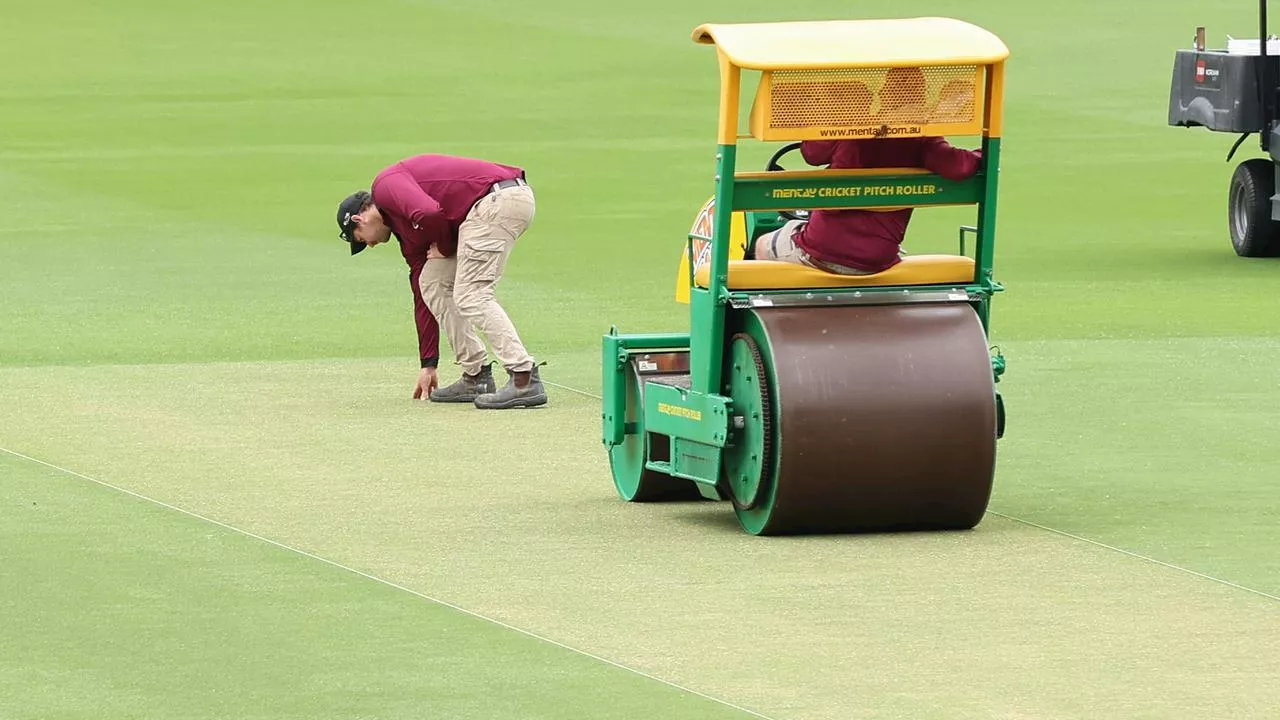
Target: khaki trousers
781, 245
459, 290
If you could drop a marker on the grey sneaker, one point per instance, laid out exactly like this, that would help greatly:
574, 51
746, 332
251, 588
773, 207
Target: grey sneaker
510, 396
467, 388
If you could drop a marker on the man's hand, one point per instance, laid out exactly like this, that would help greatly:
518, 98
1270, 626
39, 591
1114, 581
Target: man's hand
427, 381
433, 253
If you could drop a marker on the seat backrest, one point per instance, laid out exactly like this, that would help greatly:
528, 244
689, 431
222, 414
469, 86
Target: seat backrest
855, 103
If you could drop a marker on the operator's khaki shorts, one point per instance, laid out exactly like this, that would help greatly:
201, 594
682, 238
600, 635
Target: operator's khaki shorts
781, 245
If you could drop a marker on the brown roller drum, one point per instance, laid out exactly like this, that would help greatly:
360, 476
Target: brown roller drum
884, 418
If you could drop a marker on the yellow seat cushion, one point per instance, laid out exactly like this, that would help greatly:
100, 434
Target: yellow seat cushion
775, 275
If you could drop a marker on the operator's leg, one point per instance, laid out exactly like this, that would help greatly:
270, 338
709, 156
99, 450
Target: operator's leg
437, 285
779, 245
485, 241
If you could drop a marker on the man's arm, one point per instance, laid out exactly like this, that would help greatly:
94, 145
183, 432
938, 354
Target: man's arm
428, 326
818, 152
428, 337
399, 194
950, 162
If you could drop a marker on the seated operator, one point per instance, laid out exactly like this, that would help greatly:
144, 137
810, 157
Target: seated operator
865, 242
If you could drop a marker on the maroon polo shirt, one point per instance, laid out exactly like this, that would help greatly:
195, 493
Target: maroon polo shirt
424, 200
866, 239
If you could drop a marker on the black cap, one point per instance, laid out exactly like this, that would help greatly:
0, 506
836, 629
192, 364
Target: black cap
352, 205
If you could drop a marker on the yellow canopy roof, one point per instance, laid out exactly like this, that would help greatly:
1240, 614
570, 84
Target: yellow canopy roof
853, 43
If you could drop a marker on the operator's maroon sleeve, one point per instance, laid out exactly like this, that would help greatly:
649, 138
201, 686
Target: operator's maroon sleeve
428, 326
950, 162
399, 194
817, 152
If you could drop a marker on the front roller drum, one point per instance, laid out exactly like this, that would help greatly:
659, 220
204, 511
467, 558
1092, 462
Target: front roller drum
868, 418
634, 482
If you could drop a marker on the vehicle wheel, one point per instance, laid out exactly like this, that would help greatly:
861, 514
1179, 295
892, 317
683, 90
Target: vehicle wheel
1253, 232
634, 482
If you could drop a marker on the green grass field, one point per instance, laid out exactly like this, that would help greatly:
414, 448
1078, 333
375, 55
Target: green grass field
218, 501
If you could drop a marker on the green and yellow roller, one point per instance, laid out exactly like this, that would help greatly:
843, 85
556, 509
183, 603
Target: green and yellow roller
814, 402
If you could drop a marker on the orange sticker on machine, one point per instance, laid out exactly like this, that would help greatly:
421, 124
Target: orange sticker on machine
698, 245
701, 233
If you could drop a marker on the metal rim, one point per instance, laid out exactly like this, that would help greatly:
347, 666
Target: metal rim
746, 464
626, 460
1239, 213
633, 481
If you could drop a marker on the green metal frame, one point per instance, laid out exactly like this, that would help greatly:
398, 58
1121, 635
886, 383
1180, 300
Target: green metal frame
613, 389
802, 193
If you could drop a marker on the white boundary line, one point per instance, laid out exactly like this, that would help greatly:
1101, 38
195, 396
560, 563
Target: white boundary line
1063, 533
383, 581
573, 390
1132, 554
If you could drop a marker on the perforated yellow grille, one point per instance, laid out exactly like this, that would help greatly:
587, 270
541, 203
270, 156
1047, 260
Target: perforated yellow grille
872, 97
